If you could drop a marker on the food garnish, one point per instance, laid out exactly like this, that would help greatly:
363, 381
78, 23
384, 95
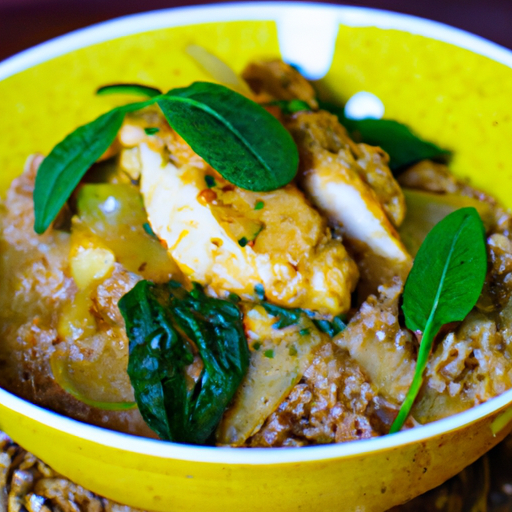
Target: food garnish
443, 286
396, 139
238, 137
134, 89
166, 326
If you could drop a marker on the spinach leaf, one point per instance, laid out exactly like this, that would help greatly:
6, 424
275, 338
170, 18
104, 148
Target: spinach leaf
443, 286
164, 324
396, 139
134, 89
67, 163
236, 136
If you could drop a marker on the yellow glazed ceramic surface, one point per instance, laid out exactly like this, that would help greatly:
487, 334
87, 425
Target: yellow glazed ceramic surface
447, 93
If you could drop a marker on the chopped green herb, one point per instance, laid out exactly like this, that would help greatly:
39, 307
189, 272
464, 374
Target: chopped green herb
233, 297
259, 205
210, 181
443, 286
243, 242
151, 130
256, 346
149, 230
333, 327
292, 350
260, 291
160, 321
285, 316
269, 354
304, 332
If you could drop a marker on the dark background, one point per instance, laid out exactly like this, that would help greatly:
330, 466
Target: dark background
25, 23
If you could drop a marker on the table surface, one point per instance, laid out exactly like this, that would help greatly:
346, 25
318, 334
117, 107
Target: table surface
25, 23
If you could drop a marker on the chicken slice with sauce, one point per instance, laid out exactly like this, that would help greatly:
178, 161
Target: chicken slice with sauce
332, 176
350, 183
233, 240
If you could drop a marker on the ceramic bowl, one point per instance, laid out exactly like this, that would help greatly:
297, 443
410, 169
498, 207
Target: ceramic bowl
450, 86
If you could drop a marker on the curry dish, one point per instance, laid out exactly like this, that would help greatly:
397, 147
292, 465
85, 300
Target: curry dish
337, 243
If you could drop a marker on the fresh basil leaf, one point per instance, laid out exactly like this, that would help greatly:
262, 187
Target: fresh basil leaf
396, 139
133, 89
285, 317
162, 323
151, 130
62, 170
443, 286
236, 136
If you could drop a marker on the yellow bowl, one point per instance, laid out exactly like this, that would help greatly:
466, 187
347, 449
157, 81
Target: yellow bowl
450, 86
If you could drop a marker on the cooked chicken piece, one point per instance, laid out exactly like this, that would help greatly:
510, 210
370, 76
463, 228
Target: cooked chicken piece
279, 81
372, 166
283, 82
331, 176
234, 240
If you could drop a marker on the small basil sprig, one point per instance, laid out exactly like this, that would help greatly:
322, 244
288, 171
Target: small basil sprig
133, 89
235, 135
396, 139
163, 323
443, 286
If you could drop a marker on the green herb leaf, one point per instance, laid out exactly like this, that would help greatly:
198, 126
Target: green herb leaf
65, 166
210, 181
396, 139
269, 354
236, 136
259, 205
151, 130
285, 316
443, 286
243, 241
133, 89
333, 327
259, 289
160, 321
149, 230
289, 107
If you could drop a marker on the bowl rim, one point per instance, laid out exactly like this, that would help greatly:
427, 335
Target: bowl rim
261, 11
